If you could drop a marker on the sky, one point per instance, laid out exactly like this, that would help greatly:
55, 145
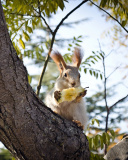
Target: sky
93, 32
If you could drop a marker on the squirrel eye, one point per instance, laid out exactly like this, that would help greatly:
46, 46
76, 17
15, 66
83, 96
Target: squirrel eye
65, 75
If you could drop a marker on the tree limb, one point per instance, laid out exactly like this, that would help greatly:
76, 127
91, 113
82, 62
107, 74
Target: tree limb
109, 15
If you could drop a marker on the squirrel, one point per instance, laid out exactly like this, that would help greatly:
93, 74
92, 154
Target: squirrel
69, 77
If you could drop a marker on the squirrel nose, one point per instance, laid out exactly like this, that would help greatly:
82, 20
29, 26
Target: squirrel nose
73, 84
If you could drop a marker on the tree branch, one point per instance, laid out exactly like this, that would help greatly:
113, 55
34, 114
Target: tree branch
42, 18
109, 15
121, 100
52, 41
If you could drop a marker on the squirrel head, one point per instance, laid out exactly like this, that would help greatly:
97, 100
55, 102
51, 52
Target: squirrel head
69, 74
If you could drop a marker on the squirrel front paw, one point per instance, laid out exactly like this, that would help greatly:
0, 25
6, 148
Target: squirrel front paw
57, 95
82, 94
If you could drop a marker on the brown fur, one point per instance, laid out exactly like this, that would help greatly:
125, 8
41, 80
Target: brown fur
58, 59
77, 57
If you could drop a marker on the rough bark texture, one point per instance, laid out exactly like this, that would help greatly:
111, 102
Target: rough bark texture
119, 151
28, 128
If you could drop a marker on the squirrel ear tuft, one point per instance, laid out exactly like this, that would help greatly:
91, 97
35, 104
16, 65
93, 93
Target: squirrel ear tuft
58, 59
77, 57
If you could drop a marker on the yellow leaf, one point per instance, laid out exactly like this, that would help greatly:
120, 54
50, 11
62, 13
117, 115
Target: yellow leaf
26, 36
21, 43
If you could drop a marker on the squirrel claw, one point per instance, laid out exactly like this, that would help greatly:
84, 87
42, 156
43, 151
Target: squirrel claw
78, 124
83, 93
57, 95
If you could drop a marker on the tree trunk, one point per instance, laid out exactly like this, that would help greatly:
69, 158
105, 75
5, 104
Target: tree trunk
29, 129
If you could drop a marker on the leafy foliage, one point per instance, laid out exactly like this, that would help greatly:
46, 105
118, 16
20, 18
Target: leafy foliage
99, 140
117, 8
92, 60
5, 155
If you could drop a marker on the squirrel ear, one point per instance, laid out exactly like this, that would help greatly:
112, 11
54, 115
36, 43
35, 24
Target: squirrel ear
77, 57
58, 59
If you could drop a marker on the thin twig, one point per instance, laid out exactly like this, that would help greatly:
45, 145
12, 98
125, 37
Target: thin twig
124, 85
19, 14
52, 41
39, 7
109, 15
105, 98
109, 53
40, 15
46, 24
121, 100
105, 95
113, 71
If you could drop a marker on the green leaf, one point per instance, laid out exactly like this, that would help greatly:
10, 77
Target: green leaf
85, 70
21, 43
74, 38
79, 41
95, 59
26, 24
37, 55
98, 57
101, 76
124, 23
92, 142
113, 134
96, 139
93, 62
96, 75
90, 71
104, 137
103, 3
93, 52
93, 121
77, 44
29, 29
115, 2
107, 138
101, 142
70, 45
101, 55
97, 121
79, 36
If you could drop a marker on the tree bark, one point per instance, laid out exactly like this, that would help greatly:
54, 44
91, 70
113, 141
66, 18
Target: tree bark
29, 129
